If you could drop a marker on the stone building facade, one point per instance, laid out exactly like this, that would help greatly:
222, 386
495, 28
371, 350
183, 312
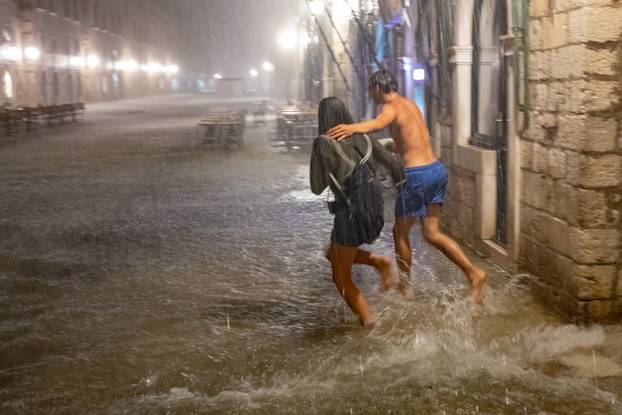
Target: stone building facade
61, 51
524, 105
571, 230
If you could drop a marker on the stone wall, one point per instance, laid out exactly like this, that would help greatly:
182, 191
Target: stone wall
459, 211
571, 157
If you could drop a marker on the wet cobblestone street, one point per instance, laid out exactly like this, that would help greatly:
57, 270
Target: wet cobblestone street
141, 273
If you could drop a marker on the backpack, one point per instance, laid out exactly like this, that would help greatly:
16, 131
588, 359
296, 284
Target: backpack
363, 198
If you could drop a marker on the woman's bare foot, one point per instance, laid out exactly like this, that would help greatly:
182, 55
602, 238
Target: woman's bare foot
478, 280
406, 290
387, 279
368, 323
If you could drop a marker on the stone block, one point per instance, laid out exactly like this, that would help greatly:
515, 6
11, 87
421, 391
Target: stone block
593, 282
448, 155
539, 8
583, 208
537, 190
595, 24
601, 309
565, 201
566, 5
619, 288
567, 62
536, 132
601, 95
551, 267
526, 154
555, 31
469, 193
601, 62
540, 158
535, 34
540, 66
594, 171
593, 211
446, 138
594, 246
569, 96
587, 133
556, 163
529, 221
529, 255
553, 233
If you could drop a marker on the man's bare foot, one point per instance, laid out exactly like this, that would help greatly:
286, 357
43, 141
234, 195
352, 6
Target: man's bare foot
368, 324
406, 290
387, 279
478, 282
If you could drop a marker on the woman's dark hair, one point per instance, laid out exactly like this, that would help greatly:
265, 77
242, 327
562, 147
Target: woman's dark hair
332, 112
385, 80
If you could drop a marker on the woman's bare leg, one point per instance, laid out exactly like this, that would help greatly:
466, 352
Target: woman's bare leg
381, 263
342, 258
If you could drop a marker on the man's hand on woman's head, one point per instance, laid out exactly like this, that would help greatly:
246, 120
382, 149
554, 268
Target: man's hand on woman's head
341, 132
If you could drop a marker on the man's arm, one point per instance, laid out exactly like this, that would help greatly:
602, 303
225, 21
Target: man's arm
386, 117
391, 161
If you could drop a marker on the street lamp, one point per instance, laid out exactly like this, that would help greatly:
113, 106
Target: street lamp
288, 39
217, 76
254, 73
267, 66
31, 53
92, 61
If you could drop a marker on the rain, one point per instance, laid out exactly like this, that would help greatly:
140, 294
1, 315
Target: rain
162, 251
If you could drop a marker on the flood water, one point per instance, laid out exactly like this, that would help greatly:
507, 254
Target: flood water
141, 273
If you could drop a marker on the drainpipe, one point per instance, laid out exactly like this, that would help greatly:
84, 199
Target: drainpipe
462, 60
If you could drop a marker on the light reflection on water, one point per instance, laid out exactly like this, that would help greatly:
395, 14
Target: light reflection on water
150, 276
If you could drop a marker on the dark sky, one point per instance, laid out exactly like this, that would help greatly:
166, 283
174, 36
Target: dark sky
235, 35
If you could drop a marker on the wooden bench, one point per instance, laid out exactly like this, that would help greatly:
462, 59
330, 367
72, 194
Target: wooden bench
13, 118
296, 124
223, 128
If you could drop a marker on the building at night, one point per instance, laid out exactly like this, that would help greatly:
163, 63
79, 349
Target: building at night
63, 51
523, 102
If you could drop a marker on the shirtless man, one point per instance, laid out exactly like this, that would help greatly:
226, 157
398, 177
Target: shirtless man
425, 186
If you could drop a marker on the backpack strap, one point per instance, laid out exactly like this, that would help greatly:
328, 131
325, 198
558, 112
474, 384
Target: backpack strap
370, 149
365, 158
337, 147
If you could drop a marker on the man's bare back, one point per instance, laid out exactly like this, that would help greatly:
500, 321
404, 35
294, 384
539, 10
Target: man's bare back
407, 125
410, 133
